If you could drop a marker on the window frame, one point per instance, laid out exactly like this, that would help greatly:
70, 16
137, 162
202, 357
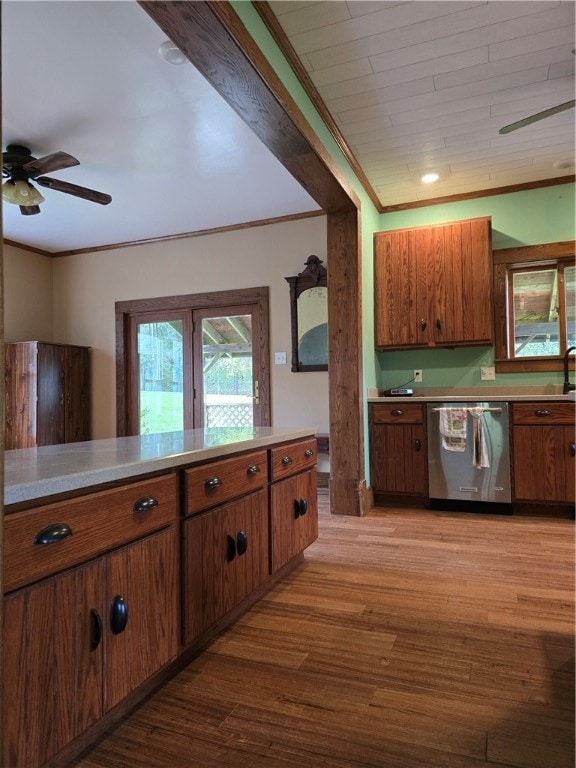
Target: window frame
504, 261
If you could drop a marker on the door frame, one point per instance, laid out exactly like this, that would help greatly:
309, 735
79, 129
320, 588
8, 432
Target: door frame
257, 298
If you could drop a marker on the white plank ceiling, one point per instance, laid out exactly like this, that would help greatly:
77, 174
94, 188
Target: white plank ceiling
413, 87
423, 86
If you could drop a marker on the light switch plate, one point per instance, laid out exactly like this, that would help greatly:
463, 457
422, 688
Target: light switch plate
280, 358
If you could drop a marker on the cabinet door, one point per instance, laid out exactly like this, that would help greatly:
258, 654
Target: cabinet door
543, 462
225, 559
20, 374
459, 268
142, 587
398, 458
401, 289
52, 664
77, 391
294, 517
51, 401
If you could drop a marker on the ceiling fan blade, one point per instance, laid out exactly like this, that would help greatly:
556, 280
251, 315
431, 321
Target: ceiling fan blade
74, 189
29, 210
538, 116
54, 162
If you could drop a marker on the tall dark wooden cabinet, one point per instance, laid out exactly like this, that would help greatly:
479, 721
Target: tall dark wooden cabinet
47, 394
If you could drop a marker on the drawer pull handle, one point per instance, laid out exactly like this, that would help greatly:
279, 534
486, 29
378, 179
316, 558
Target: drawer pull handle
542, 412
572, 449
397, 412
212, 482
53, 534
418, 445
230, 549
253, 469
241, 542
118, 615
286, 460
95, 629
308, 452
145, 503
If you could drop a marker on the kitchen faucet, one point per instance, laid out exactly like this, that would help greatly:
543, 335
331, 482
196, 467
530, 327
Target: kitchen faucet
568, 387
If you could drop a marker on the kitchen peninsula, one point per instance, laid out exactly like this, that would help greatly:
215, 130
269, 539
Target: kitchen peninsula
124, 557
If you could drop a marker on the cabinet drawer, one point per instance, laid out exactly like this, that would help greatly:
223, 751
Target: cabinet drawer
84, 527
397, 413
291, 458
219, 481
543, 413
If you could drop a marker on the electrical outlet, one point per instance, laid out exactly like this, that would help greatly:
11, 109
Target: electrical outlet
417, 376
487, 373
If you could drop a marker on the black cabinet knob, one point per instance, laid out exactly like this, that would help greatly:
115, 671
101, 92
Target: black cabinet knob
253, 469
308, 452
286, 460
397, 412
572, 449
418, 445
542, 412
53, 534
241, 542
118, 615
145, 503
212, 482
95, 629
230, 548
423, 324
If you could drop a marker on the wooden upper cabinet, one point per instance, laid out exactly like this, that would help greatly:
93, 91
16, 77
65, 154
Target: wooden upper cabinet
47, 394
433, 285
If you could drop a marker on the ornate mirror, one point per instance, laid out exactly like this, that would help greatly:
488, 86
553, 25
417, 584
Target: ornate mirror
309, 315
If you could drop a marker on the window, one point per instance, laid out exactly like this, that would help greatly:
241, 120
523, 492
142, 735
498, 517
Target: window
535, 306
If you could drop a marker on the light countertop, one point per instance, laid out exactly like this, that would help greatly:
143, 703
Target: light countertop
481, 394
33, 473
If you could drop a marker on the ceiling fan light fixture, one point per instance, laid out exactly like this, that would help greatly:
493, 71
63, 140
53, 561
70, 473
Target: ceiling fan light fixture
429, 178
171, 53
21, 193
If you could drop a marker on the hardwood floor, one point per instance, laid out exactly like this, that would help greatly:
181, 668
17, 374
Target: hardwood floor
407, 639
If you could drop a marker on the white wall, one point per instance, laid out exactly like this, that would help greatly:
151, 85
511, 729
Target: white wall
86, 286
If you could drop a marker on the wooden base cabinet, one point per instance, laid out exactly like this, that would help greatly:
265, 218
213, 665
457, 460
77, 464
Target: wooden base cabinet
225, 538
225, 560
78, 642
543, 452
398, 456
293, 501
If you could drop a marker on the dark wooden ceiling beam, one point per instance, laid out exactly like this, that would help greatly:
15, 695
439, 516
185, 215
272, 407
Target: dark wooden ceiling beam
216, 42
211, 35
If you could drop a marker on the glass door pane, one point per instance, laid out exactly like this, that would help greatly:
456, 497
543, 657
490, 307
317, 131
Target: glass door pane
228, 388
160, 376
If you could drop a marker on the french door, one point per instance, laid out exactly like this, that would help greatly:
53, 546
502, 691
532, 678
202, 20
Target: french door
193, 366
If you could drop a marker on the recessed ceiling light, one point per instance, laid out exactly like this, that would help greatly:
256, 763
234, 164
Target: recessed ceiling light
428, 178
171, 53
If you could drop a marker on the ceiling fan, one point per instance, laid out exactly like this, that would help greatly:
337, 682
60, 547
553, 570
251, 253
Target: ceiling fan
18, 167
538, 116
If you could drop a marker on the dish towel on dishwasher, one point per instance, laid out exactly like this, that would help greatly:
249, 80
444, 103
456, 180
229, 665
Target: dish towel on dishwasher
479, 449
453, 428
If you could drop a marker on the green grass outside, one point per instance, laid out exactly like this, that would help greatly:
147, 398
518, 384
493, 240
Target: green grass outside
160, 412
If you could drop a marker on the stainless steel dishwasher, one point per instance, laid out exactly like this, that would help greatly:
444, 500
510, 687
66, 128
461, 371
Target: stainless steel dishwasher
468, 452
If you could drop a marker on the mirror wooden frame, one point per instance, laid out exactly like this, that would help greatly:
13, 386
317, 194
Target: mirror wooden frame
314, 276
